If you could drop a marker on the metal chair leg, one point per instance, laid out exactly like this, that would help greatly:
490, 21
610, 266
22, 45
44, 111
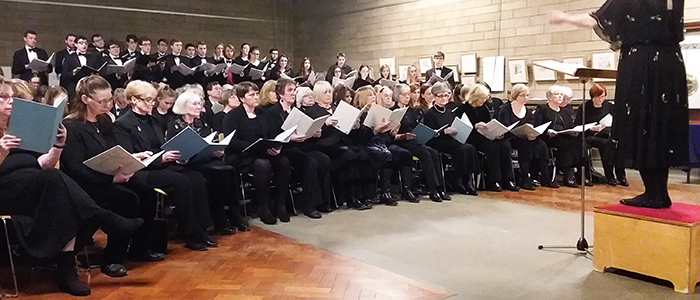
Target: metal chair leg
12, 262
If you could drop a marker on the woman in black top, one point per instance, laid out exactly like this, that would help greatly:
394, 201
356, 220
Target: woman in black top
90, 132
221, 178
254, 63
162, 112
251, 124
354, 179
230, 102
463, 155
363, 77
499, 166
532, 152
282, 67
429, 157
599, 135
568, 154
48, 208
138, 132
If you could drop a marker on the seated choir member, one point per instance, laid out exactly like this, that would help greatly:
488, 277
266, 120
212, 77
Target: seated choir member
305, 70
210, 100
568, 154
138, 132
90, 132
23, 90
412, 76
370, 140
121, 106
48, 208
52, 94
342, 93
312, 167
340, 64
429, 157
499, 165
532, 152
251, 123
417, 100
230, 101
599, 135
401, 158
384, 73
221, 182
350, 166
162, 111
427, 97
443, 113
363, 77
268, 96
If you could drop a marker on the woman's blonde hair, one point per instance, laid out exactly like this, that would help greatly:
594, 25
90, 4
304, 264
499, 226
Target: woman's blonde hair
265, 98
477, 93
302, 92
320, 88
182, 100
517, 90
139, 89
361, 96
23, 89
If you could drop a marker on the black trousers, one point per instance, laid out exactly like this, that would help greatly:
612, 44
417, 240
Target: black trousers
222, 182
463, 155
121, 200
265, 169
532, 155
351, 173
308, 167
430, 162
608, 154
402, 160
499, 164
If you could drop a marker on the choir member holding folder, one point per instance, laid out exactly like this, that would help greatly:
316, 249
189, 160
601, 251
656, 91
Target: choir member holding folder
221, 181
599, 136
90, 132
48, 208
568, 154
532, 151
175, 79
22, 60
138, 132
312, 167
499, 166
429, 157
350, 166
251, 124
464, 161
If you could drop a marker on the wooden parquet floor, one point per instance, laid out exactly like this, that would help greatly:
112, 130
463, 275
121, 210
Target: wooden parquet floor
569, 199
255, 265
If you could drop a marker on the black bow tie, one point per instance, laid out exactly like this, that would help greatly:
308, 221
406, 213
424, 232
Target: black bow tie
81, 54
438, 69
31, 50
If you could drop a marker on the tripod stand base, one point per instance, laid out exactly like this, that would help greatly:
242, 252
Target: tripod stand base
581, 246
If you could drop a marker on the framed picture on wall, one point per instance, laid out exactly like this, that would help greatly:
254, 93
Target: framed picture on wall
494, 72
469, 80
403, 72
542, 74
517, 71
425, 64
604, 60
391, 62
578, 61
469, 63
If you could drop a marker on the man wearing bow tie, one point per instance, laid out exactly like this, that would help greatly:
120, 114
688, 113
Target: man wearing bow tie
22, 58
131, 48
73, 62
439, 69
61, 55
175, 79
116, 80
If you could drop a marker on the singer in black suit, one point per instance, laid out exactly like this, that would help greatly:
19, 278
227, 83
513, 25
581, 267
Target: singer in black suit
22, 58
61, 55
74, 61
439, 69
115, 80
175, 79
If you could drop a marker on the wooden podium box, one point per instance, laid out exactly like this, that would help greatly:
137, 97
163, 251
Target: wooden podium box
661, 243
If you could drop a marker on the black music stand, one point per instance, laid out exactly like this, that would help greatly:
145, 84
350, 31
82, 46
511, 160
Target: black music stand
584, 74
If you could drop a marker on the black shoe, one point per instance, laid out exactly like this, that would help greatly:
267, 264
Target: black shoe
444, 196
66, 276
368, 203
527, 185
148, 256
196, 246
226, 230
357, 204
114, 270
283, 216
588, 182
494, 187
268, 219
435, 197
570, 183
611, 182
510, 186
314, 214
409, 196
644, 200
211, 244
387, 199
324, 208
551, 185
243, 227
623, 182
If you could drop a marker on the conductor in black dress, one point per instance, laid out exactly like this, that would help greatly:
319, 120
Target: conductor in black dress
650, 116
22, 58
439, 69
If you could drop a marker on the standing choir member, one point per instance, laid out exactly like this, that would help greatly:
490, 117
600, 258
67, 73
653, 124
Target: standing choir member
340, 63
22, 58
73, 62
131, 50
61, 55
175, 79
115, 80
439, 69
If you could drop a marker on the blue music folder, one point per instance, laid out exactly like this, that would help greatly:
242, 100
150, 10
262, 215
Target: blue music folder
188, 142
36, 123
